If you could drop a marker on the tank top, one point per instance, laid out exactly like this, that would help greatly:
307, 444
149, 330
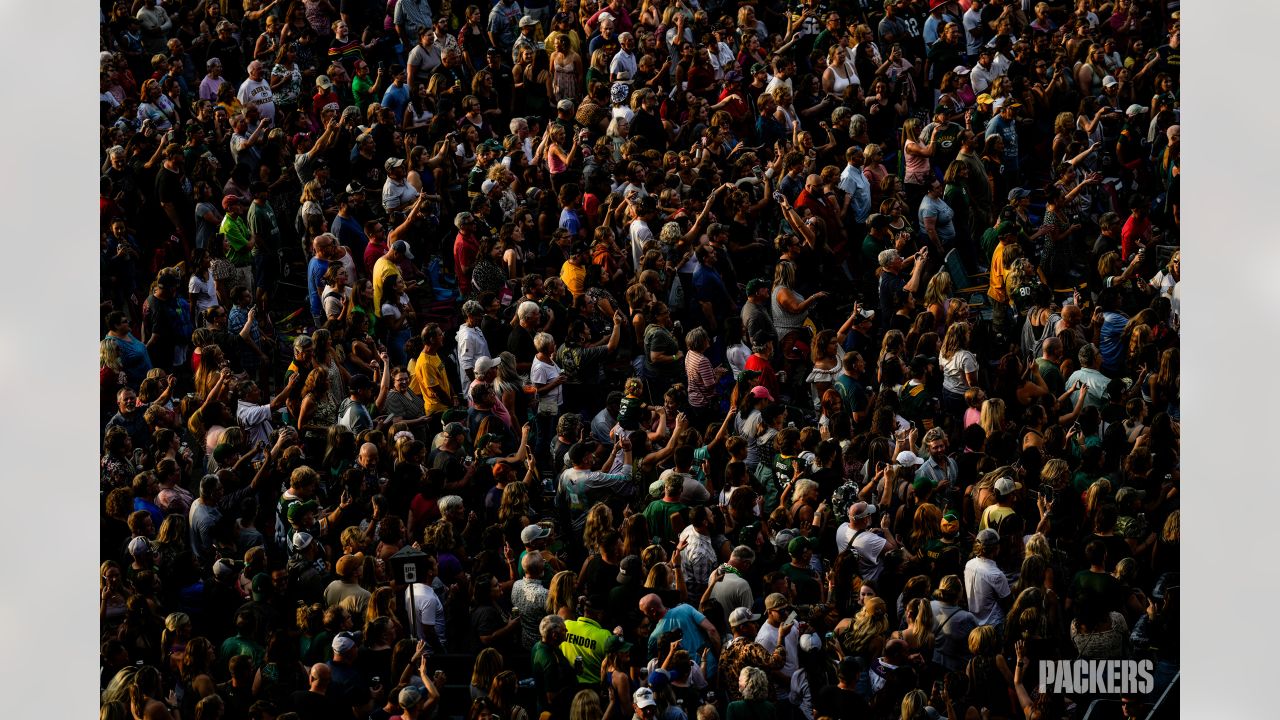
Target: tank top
555, 166
783, 321
841, 82
917, 167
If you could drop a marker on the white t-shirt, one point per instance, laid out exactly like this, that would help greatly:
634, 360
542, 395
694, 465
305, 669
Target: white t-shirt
203, 291
541, 373
640, 234
332, 301
258, 92
868, 545
984, 585
767, 638
427, 609
397, 195
954, 369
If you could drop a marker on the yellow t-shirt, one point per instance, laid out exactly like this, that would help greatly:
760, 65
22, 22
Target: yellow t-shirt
428, 372
382, 269
996, 288
574, 277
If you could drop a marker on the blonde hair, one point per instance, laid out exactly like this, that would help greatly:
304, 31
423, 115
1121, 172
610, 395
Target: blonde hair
599, 521
992, 416
562, 592
982, 640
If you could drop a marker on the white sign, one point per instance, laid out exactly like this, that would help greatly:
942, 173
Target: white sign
1097, 677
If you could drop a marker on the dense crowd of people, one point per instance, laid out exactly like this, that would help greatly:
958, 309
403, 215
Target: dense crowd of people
610, 360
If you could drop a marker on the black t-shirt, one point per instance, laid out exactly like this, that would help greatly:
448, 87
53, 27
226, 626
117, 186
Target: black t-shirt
599, 577
313, 706
890, 287
173, 187
520, 344
832, 701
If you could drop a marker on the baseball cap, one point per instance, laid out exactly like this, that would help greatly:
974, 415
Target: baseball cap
484, 364
922, 482
761, 392
488, 438
861, 510
776, 601
659, 678
755, 284
1002, 103
566, 105
409, 697
1007, 227
1018, 194
950, 523
643, 698
960, 70
225, 570
616, 644
533, 533
742, 615
260, 585
1136, 109
139, 546
298, 509
487, 187
810, 642
402, 247
324, 83
354, 188
630, 567
1005, 486
866, 314
348, 564
527, 21
343, 643
984, 99
454, 428
606, 17
393, 162
759, 68
301, 540
906, 457
230, 201
1110, 81
798, 545
988, 537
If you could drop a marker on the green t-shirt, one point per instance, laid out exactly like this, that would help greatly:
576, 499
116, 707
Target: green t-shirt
236, 232
362, 90
658, 513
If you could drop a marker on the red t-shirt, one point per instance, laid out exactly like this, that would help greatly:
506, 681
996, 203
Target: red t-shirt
465, 250
1133, 231
372, 252
768, 378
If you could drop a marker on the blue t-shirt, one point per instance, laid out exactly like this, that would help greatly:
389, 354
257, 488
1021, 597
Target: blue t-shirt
397, 99
570, 221
316, 269
134, 360
1008, 130
1111, 345
688, 620
351, 234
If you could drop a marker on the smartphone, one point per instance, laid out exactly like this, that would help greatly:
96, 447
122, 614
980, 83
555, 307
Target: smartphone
790, 618
778, 197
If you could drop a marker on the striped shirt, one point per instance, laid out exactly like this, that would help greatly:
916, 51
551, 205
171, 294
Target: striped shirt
702, 379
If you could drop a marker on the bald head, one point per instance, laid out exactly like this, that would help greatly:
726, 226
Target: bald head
652, 607
320, 676
369, 455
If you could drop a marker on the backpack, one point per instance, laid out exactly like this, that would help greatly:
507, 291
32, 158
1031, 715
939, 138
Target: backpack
1032, 346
